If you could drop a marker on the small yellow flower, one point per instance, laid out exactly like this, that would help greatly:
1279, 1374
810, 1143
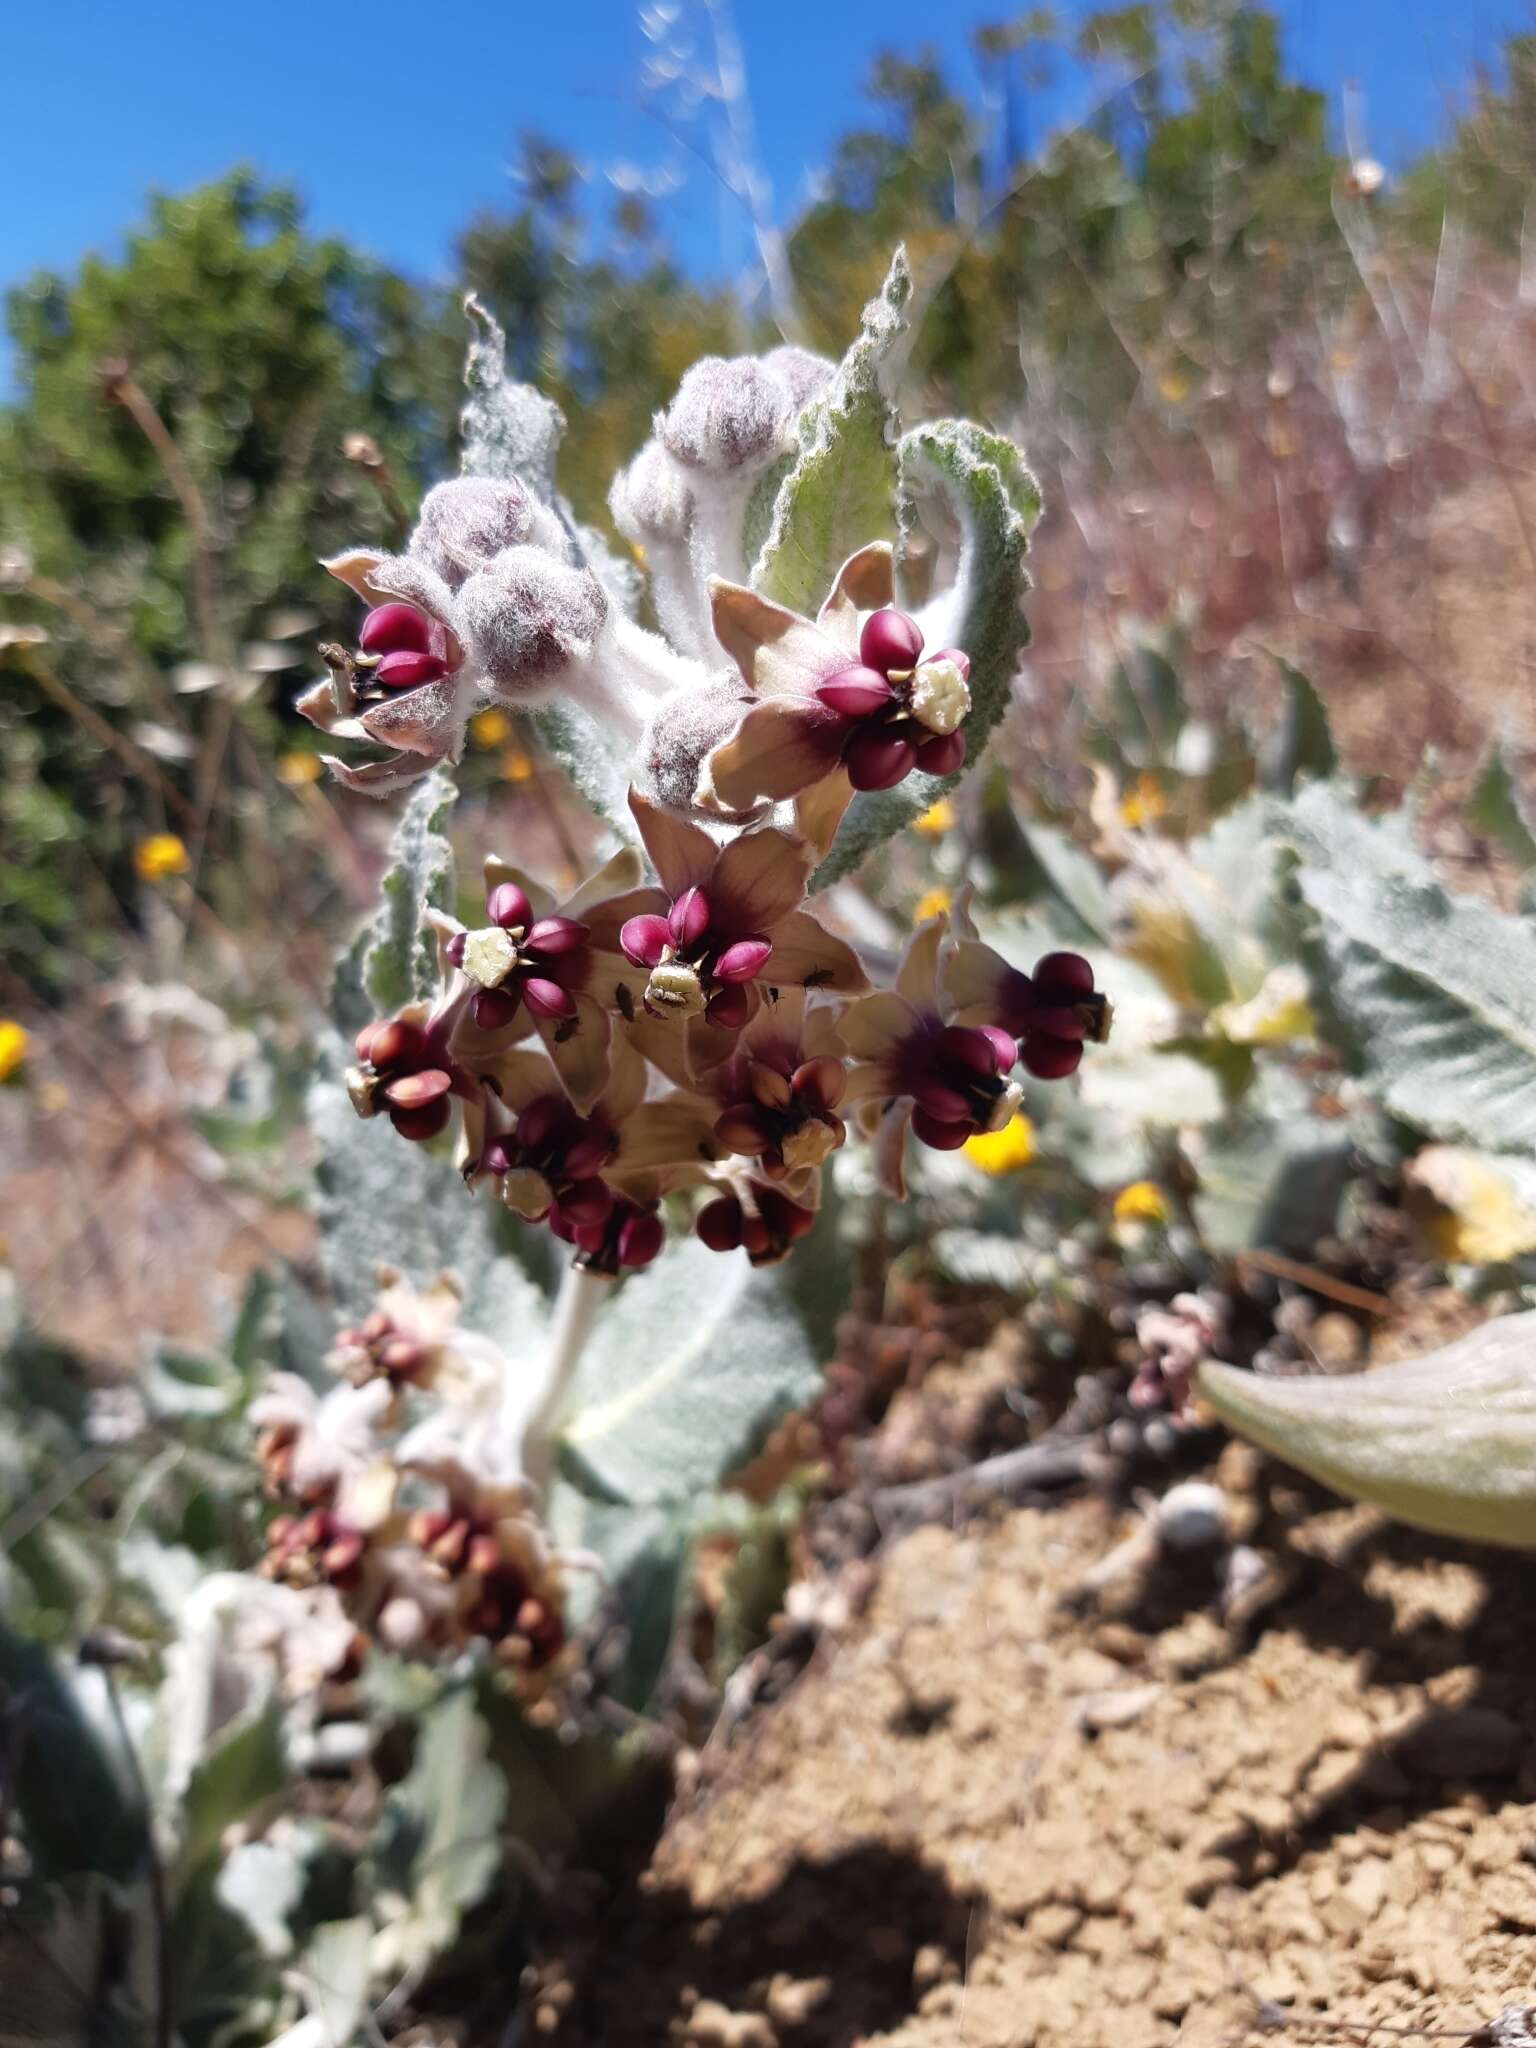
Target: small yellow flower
490, 729
516, 766
1144, 802
1173, 386
937, 819
297, 768
13, 1047
1142, 1202
1004, 1151
930, 903
160, 856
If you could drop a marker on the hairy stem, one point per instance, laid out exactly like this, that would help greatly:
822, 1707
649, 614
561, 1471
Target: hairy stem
581, 1294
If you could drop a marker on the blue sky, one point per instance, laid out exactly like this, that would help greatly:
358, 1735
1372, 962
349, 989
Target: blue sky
398, 120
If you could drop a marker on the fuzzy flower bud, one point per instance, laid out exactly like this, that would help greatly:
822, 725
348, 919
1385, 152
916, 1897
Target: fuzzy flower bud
528, 618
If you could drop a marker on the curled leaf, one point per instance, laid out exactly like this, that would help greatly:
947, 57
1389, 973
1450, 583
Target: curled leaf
1446, 1442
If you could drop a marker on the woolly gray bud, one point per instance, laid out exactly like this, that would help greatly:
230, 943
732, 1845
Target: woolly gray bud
528, 617
684, 731
802, 374
728, 413
465, 523
651, 500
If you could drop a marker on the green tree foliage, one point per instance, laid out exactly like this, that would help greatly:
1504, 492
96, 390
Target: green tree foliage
253, 349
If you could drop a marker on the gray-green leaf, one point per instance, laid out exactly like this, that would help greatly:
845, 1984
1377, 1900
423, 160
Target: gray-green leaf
1445, 1442
841, 493
996, 503
393, 960
686, 1372
1439, 990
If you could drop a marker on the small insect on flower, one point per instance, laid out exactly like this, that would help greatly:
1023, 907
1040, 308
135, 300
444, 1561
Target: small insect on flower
14, 1041
1004, 1151
160, 857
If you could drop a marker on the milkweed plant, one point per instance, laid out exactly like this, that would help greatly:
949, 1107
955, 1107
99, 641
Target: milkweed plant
655, 1068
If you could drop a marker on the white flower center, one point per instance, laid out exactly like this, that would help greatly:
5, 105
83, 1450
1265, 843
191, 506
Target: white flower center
813, 1143
489, 956
1001, 1112
674, 990
940, 696
526, 1192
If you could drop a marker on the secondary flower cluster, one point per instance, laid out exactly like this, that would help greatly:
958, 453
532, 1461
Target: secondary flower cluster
421, 1530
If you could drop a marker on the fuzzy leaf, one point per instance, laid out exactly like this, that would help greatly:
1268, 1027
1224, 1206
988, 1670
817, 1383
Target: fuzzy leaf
1496, 808
1445, 1442
686, 1372
996, 502
1272, 1174
382, 1200
438, 1845
1438, 990
841, 493
510, 430
1303, 745
244, 1768
393, 960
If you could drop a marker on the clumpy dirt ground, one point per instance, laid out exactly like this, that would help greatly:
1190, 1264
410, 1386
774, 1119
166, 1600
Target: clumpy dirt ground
999, 1808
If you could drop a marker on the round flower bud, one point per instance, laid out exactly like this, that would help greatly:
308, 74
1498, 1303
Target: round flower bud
651, 500
640, 1239
729, 412
467, 522
803, 375
528, 617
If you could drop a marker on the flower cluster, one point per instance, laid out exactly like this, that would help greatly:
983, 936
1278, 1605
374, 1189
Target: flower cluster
421, 1529
690, 1032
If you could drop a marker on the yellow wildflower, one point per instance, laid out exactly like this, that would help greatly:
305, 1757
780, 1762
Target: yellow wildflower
930, 903
1173, 386
1144, 802
296, 768
937, 819
490, 729
13, 1047
160, 856
516, 766
1142, 1202
1003, 1151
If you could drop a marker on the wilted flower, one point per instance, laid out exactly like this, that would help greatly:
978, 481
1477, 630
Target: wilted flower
310, 1444
412, 1337
1174, 1342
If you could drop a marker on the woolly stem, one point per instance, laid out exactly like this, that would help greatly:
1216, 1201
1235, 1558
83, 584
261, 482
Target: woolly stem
576, 1306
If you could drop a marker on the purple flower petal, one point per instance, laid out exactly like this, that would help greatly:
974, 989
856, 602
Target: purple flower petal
743, 960
644, 939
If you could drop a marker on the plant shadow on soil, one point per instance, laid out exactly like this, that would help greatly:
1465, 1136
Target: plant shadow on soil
832, 1948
